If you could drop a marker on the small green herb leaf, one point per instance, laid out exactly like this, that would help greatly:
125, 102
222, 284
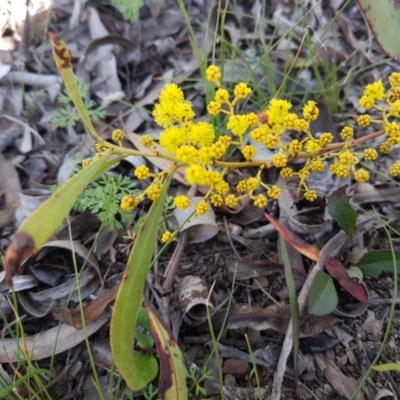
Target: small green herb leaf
375, 262
341, 210
323, 297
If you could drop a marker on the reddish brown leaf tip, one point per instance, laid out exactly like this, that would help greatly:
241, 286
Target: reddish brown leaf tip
60, 51
20, 248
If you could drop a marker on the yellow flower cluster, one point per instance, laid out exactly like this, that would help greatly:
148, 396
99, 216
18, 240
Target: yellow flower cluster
194, 146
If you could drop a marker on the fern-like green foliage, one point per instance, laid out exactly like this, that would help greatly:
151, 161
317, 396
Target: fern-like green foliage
69, 116
103, 197
129, 8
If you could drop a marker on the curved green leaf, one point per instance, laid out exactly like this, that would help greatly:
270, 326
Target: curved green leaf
341, 211
136, 368
323, 297
172, 385
37, 229
383, 18
375, 262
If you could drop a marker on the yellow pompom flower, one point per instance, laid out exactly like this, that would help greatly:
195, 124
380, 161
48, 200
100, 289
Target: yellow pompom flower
312, 145
221, 96
286, 173
166, 236
258, 133
370, 154
394, 79
222, 187
304, 174
310, 195
385, 147
100, 148
171, 94
241, 187
249, 152
213, 73
216, 200
181, 202
153, 191
195, 174
129, 202
231, 201
395, 93
252, 183
364, 120
395, 169
375, 90
294, 147
146, 141
212, 178
367, 102
171, 138
317, 165
347, 158
279, 160
206, 154
340, 170
241, 90
269, 141
187, 154
361, 175
274, 192
237, 124
183, 111
164, 115
214, 108
86, 162
277, 110
260, 201
117, 135
142, 172
301, 125
202, 207
289, 121
225, 140
202, 134
391, 129
325, 139
252, 119
310, 111
395, 109
218, 149
347, 133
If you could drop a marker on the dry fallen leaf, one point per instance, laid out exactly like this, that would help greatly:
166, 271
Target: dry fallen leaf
91, 311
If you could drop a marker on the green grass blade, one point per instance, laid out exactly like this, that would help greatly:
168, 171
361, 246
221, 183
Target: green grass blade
136, 368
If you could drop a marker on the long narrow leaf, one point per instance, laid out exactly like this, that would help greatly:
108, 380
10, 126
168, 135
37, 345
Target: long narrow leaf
172, 385
37, 229
62, 59
136, 368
